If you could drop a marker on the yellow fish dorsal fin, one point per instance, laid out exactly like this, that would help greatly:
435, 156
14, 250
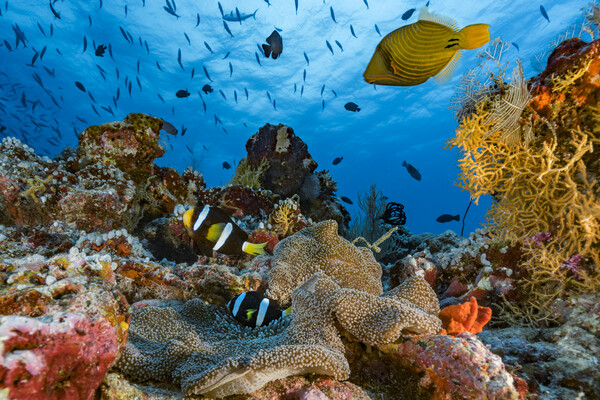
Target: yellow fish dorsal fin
425, 15
214, 232
445, 75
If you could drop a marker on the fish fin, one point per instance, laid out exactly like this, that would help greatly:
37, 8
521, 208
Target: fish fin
214, 232
474, 36
249, 313
425, 15
254, 248
254, 13
187, 218
457, 217
267, 50
445, 75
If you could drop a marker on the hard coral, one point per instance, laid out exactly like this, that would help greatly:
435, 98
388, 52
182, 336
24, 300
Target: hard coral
319, 248
466, 317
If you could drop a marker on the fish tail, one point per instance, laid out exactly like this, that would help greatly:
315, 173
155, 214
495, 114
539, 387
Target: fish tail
254, 13
474, 36
254, 248
456, 217
404, 163
266, 49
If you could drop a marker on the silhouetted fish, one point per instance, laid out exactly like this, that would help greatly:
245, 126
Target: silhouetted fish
337, 160
352, 31
100, 50
306, 58
544, 13
332, 14
207, 89
447, 218
206, 73
346, 200
350, 106
412, 170
182, 93
275, 45
226, 165
377, 29
329, 46
208, 47
80, 86
408, 14
227, 28
516, 45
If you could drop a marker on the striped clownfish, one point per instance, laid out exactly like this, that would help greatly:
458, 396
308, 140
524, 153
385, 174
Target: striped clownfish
213, 228
253, 309
430, 47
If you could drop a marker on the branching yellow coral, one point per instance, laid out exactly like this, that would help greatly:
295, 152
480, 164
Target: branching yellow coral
375, 245
246, 175
286, 218
35, 185
562, 83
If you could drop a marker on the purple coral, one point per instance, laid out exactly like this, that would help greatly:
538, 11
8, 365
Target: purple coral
573, 264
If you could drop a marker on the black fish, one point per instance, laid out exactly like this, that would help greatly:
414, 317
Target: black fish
226, 55
208, 47
306, 58
41, 29
179, 58
223, 94
377, 29
80, 86
332, 14
207, 89
187, 38
339, 45
197, 20
516, 46
169, 128
257, 59
394, 214
253, 309
226, 165
158, 66
350, 106
124, 34
56, 15
206, 73
412, 170
352, 31
84, 44
110, 51
100, 50
346, 200
275, 46
329, 46
182, 93
447, 218
227, 28
544, 13
230, 70
337, 160
160, 97
408, 14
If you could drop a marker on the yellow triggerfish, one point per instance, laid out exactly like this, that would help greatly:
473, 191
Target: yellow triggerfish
430, 47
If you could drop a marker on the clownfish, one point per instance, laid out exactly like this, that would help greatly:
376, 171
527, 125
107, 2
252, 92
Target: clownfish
253, 309
213, 227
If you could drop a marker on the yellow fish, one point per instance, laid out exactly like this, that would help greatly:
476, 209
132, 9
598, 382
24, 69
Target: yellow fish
430, 47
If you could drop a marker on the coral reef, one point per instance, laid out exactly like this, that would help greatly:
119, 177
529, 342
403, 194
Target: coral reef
466, 317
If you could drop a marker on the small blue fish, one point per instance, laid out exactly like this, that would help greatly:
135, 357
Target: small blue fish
544, 13
329, 46
221, 9
187, 38
366, 4
295, 88
275, 104
227, 28
158, 66
208, 47
269, 96
296, 3
304, 76
322, 89
306, 58
332, 14
377, 29
323, 103
206, 73
301, 90
352, 31
257, 59
230, 70
197, 20
223, 94
408, 14
516, 46
339, 45
226, 55
235, 95
246, 91
334, 93
179, 59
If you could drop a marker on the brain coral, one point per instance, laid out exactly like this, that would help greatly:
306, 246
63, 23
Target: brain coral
201, 348
319, 248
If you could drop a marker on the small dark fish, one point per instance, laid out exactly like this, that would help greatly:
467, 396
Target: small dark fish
322, 89
43, 52
323, 105
226, 165
169, 128
160, 97
412, 170
304, 76
100, 4
408, 14
377, 29
124, 34
227, 28
8, 46
117, 73
235, 95
275, 104
204, 105
206, 73
346, 200
334, 92
179, 58
337, 160
138, 66
448, 218
193, 72
118, 94
329, 46
139, 83
189, 149
33, 59
56, 15
171, 11
182, 93
51, 29
257, 59
295, 87
516, 45
246, 91
110, 51
80, 86
230, 70
223, 94
183, 130
23, 100
96, 111
350, 106
268, 4
278, 29
221, 9
226, 55
301, 90
197, 20
129, 89
146, 46
269, 96
296, 4
332, 14
207, 89
394, 214
100, 50
307, 60
239, 17
217, 120
125, 9
544, 13
366, 4
108, 110
41, 29
90, 19
84, 43
339, 45
275, 45
187, 38
158, 66
208, 47
91, 96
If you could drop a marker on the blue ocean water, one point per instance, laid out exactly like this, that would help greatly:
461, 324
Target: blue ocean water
145, 40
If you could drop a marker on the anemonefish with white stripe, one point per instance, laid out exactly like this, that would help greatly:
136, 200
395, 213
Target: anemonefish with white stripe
253, 309
213, 227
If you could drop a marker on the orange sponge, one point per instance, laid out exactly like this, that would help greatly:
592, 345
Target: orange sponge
466, 317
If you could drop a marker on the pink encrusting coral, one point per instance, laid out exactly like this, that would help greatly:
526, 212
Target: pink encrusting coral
65, 357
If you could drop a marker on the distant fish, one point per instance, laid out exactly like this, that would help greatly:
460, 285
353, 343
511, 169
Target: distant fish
377, 29
322, 89
295, 87
334, 92
408, 14
329, 46
43, 52
304, 76
275, 45
350, 106
179, 58
207, 89
226, 165
187, 38
412, 170
268, 4
110, 51
257, 59
339, 45
278, 29
220, 8
208, 47
412, 54
366, 4
56, 15
332, 14
80, 86
337, 160
269, 96
352, 31
230, 69
235, 95
223, 94
169, 128
158, 66
323, 105
206, 73
275, 104
346, 200
182, 93
41, 29
237, 16
246, 91
296, 4
197, 20
447, 218
306, 58
542, 10
227, 28
100, 50
516, 46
